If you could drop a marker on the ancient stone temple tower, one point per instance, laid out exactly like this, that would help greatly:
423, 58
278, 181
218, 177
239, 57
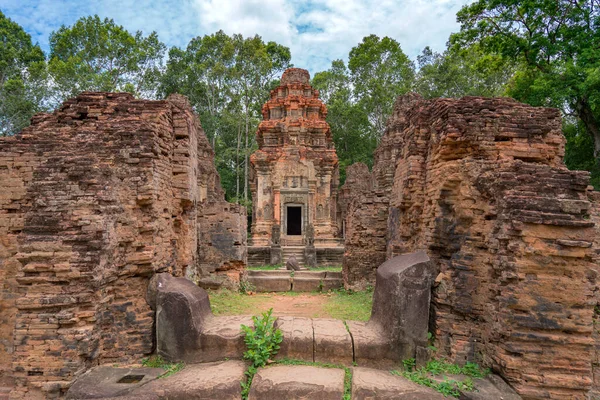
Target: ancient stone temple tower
294, 175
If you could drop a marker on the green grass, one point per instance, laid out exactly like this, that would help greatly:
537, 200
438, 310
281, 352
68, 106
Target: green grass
332, 268
157, 361
347, 372
227, 302
340, 304
448, 387
265, 267
347, 304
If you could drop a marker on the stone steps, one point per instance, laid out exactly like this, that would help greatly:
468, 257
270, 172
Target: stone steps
296, 251
221, 380
301, 281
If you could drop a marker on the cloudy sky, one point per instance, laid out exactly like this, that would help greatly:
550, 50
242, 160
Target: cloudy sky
317, 31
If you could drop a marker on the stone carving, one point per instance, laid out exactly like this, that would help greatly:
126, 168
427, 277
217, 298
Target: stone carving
480, 184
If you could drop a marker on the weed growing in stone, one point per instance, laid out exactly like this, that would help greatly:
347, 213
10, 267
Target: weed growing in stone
262, 342
158, 362
448, 387
246, 286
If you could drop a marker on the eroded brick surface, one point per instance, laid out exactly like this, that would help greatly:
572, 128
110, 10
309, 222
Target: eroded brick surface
480, 185
94, 199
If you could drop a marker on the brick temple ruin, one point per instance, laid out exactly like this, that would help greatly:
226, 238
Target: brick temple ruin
295, 178
108, 194
480, 185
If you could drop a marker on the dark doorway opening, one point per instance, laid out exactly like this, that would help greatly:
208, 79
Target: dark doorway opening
294, 220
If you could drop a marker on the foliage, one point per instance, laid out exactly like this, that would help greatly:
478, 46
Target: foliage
227, 79
462, 72
22, 77
157, 361
556, 44
246, 286
448, 387
380, 71
99, 55
262, 342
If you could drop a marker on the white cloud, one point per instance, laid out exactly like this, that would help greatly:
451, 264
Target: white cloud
317, 31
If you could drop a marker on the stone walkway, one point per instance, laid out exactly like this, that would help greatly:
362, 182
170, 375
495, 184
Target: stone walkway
221, 380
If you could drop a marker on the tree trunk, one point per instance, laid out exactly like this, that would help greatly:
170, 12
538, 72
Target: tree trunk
246, 160
237, 163
585, 113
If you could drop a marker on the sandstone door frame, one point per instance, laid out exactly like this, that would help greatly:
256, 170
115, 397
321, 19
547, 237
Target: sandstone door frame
284, 225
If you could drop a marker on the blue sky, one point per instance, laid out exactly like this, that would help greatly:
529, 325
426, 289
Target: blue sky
317, 31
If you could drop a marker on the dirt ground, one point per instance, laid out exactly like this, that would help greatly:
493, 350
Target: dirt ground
304, 305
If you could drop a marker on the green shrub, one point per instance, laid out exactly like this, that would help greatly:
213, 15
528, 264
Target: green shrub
262, 342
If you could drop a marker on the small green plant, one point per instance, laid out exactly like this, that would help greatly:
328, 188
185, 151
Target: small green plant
157, 361
430, 341
246, 286
262, 342
409, 364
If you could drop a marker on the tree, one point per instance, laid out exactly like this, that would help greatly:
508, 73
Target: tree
227, 79
98, 55
462, 72
557, 42
349, 123
22, 77
380, 72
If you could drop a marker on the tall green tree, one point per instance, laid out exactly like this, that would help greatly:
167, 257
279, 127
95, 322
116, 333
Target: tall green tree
462, 72
227, 79
22, 77
349, 123
99, 55
556, 42
380, 71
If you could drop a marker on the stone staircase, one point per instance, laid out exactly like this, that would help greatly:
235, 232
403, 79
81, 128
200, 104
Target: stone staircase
328, 353
288, 251
300, 281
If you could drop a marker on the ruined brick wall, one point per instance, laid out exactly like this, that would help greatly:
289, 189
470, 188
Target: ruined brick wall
364, 214
222, 244
480, 185
94, 199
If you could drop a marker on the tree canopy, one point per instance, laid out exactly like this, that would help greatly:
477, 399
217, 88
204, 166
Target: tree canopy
544, 53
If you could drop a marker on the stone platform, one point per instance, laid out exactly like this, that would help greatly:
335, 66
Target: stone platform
300, 281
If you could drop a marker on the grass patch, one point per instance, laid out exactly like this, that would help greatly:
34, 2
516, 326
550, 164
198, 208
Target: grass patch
265, 267
447, 387
227, 302
157, 361
347, 372
340, 304
332, 268
348, 304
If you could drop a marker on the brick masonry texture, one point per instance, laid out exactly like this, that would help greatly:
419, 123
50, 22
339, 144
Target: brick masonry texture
94, 200
479, 184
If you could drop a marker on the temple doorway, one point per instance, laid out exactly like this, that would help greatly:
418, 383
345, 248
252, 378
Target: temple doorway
294, 220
